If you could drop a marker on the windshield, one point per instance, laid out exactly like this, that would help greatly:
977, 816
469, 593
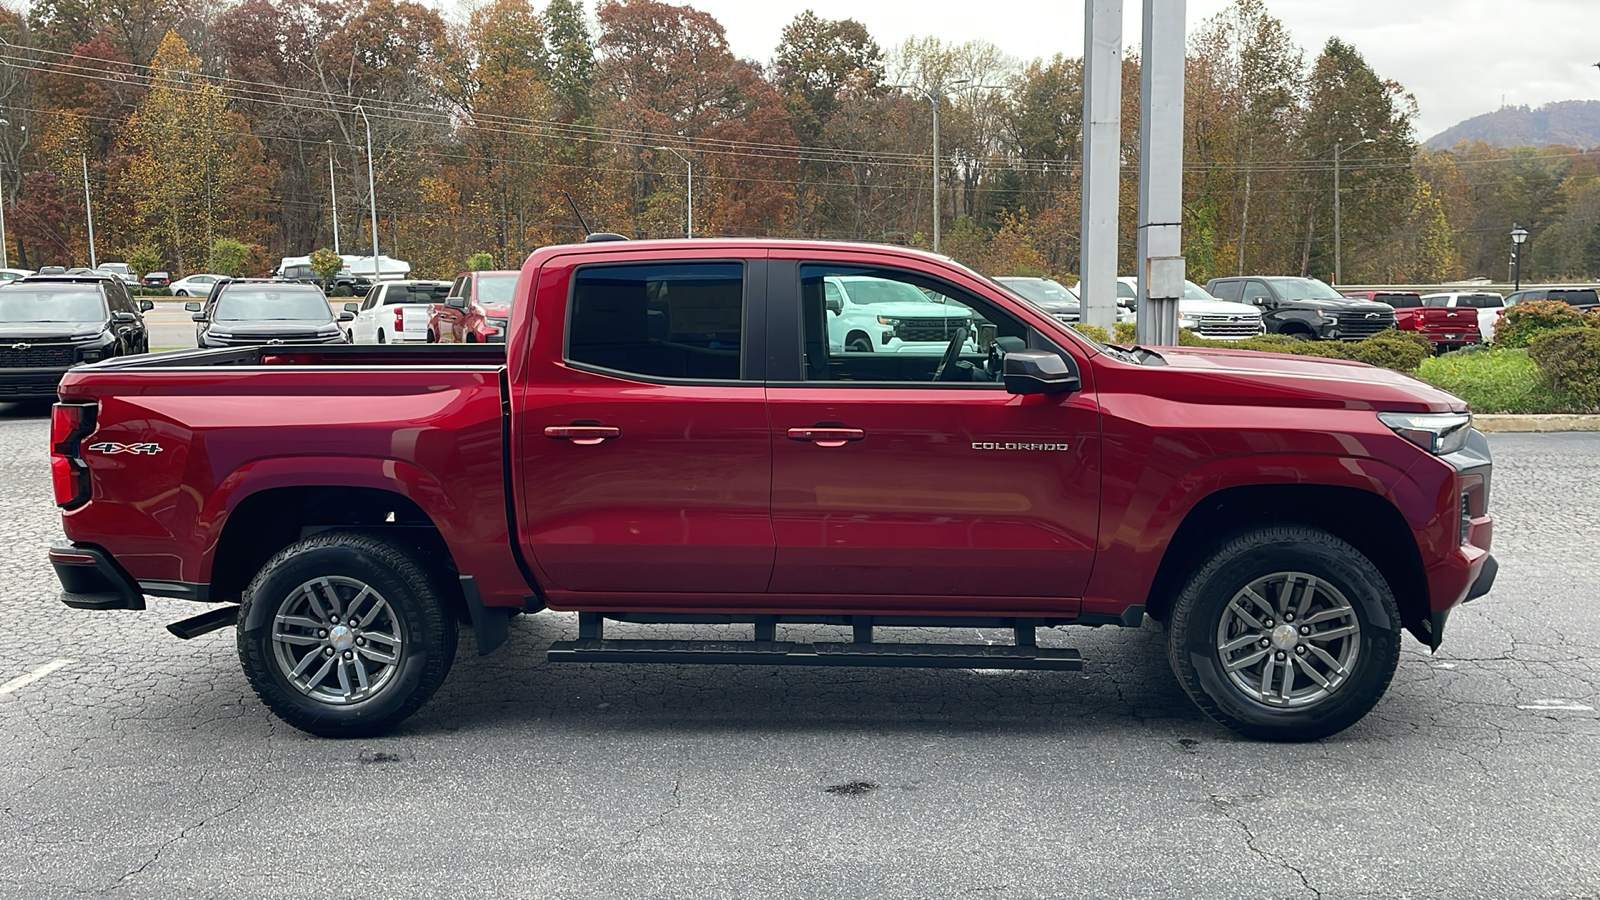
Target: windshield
22, 305
1192, 291
877, 290
494, 289
1041, 290
276, 303
1305, 289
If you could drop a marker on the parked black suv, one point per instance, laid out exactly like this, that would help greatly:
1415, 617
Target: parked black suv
1581, 298
246, 313
50, 323
1305, 307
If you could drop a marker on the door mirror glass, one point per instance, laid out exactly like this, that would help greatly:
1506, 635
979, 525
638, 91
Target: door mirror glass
146, 305
352, 308
192, 306
1039, 372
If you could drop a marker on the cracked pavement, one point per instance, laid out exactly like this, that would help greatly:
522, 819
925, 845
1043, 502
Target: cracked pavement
147, 768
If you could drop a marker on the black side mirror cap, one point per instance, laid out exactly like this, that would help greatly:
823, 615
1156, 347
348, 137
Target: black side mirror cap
199, 317
146, 305
834, 305
347, 316
456, 302
124, 316
1039, 372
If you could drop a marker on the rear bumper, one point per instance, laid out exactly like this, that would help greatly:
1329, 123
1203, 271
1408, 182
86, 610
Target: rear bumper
92, 579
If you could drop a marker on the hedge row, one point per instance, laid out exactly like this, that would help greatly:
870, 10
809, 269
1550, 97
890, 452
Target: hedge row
1399, 350
1522, 323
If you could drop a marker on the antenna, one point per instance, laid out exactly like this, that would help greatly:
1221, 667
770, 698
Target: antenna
586, 231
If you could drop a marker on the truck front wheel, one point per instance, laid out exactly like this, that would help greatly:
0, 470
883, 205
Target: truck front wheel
1286, 634
343, 635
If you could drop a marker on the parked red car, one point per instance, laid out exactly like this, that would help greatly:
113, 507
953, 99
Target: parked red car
1445, 328
671, 437
477, 310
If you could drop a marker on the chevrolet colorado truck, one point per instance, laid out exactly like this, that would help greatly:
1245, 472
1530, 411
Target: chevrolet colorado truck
671, 436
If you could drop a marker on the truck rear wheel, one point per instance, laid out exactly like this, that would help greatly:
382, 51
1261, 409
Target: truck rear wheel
343, 635
1286, 634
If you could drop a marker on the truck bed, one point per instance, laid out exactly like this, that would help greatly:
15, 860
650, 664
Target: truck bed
429, 355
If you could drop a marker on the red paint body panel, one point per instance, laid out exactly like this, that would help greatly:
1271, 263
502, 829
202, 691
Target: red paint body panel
694, 497
470, 325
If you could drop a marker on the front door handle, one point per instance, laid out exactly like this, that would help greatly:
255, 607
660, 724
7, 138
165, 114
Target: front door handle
586, 435
827, 437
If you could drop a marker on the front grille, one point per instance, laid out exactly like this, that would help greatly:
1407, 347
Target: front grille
30, 386
1355, 326
1221, 326
929, 329
23, 355
257, 340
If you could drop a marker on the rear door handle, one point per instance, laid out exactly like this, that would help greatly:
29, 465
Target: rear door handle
582, 434
827, 437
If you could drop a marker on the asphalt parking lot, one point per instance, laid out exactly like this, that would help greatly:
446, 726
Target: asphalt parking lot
137, 765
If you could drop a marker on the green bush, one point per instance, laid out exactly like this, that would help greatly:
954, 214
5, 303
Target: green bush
144, 259
1525, 321
228, 257
480, 262
1390, 350
1093, 332
1496, 381
1569, 359
150, 292
1125, 332
342, 290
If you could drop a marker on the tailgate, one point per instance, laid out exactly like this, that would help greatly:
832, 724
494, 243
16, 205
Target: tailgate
414, 321
1449, 323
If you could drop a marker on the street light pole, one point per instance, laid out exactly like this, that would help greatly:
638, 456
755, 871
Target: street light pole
1338, 255
688, 201
5, 259
88, 209
934, 98
1519, 236
334, 195
372, 195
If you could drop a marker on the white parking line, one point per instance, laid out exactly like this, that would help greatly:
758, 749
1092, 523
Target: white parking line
1541, 705
22, 681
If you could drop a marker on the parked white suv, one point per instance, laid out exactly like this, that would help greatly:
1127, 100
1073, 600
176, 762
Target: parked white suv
876, 315
396, 312
1205, 315
1489, 305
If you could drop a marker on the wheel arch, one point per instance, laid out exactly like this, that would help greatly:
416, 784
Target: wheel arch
1366, 520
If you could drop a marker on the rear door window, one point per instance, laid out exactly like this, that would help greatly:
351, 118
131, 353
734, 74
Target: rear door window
1402, 301
659, 320
1227, 290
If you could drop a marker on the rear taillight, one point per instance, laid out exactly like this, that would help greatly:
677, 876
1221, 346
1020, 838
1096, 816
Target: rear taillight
70, 423
399, 320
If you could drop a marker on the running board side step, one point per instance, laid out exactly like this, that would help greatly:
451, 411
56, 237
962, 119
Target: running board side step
785, 653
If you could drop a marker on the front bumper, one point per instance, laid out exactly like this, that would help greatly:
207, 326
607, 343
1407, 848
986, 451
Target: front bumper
31, 383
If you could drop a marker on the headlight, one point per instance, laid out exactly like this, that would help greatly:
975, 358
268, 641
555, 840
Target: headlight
1328, 317
1437, 433
888, 320
499, 324
1188, 322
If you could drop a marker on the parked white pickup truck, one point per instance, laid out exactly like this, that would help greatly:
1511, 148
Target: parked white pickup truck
1203, 314
395, 312
876, 315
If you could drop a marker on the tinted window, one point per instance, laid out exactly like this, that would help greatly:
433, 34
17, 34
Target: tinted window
415, 293
1125, 291
1305, 289
904, 342
1440, 300
272, 302
1255, 292
19, 304
1486, 301
496, 288
1400, 301
1228, 290
1040, 290
1576, 298
662, 320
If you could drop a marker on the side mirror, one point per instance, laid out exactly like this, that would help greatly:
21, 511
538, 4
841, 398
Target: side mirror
199, 317
456, 302
146, 305
347, 316
1039, 372
834, 305
352, 307
123, 316
192, 306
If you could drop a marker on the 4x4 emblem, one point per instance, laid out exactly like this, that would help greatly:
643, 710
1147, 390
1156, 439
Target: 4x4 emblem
112, 448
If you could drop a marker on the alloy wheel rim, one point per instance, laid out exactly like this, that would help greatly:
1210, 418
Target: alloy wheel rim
1288, 640
337, 640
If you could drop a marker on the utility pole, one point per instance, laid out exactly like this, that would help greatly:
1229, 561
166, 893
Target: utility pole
5, 259
88, 209
688, 202
935, 98
334, 195
372, 195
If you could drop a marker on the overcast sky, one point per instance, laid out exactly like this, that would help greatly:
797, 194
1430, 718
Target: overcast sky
1459, 57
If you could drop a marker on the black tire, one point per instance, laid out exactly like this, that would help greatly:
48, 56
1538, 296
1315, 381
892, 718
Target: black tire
380, 337
1347, 583
181, 293
858, 342
422, 641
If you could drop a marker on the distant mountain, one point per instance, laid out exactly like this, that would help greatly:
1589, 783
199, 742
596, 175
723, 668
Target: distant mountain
1575, 123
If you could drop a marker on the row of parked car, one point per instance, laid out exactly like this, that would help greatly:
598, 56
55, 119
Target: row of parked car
475, 308
50, 323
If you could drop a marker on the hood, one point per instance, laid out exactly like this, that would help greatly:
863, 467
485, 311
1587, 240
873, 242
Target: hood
1216, 308
497, 310
248, 328
1343, 304
50, 331
1279, 379
914, 310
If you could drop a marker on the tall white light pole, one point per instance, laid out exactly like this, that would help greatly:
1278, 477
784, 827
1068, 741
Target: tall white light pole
1102, 136
88, 209
334, 196
934, 98
688, 202
372, 194
1160, 248
1338, 250
5, 260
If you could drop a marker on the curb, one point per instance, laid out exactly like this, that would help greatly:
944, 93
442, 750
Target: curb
1535, 423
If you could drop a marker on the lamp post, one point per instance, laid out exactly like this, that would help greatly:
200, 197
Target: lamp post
1519, 236
934, 98
1338, 254
5, 259
88, 209
372, 195
334, 196
688, 202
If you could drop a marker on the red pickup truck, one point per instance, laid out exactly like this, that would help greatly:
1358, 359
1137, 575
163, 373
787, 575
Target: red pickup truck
1445, 328
671, 436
